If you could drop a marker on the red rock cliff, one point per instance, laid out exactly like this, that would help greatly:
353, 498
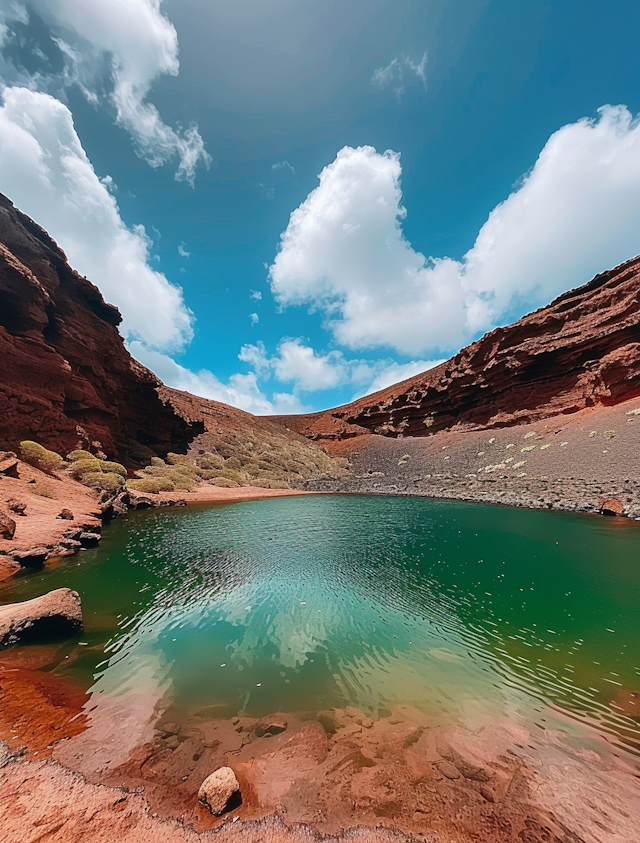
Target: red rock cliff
64, 363
580, 351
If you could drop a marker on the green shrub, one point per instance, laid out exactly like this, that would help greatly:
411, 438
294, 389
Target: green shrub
39, 457
108, 481
178, 459
157, 462
210, 462
151, 485
114, 467
225, 483
80, 468
79, 455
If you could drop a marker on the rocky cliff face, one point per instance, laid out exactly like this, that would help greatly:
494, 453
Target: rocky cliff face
66, 376
582, 350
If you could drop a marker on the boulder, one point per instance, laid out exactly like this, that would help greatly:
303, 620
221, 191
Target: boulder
65, 514
611, 506
17, 506
56, 613
273, 724
218, 789
7, 526
8, 464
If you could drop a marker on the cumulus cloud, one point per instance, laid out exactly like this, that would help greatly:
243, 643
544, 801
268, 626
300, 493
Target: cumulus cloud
256, 295
182, 251
132, 43
45, 171
393, 75
254, 318
298, 364
240, 391
576, 213
309, 371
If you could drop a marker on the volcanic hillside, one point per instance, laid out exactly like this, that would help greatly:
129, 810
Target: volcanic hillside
582, 350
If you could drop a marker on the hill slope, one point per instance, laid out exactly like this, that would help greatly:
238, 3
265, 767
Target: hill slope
582, 350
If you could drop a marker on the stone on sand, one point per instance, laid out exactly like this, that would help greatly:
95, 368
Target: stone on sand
7, 526
217, 789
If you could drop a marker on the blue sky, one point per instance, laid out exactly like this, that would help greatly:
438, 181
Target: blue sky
477, 159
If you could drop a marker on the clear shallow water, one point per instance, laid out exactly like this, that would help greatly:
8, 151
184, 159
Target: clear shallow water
299, 604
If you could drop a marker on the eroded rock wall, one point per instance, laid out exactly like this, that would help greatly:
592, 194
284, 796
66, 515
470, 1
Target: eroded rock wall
582, 350
64, 364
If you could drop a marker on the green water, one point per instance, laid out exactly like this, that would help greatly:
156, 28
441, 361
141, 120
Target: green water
299, 604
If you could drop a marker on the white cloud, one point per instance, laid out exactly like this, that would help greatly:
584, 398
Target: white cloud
182, 251
45, 171
576, 213
256, 295
254, 318
393, 75
397, 372
241, 390
298, 364
136, 44
284, 165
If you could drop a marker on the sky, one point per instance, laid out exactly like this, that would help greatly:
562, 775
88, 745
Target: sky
297, 202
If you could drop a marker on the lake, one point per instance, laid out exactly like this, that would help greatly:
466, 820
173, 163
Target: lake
303, 603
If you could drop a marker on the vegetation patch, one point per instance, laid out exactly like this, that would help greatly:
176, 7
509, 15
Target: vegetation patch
40, 457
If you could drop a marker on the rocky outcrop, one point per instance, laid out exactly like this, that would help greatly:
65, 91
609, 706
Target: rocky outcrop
57, 613
581, 351
66, 377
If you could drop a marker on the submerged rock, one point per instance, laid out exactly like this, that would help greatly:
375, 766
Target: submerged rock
218, 789
273, 724
58, 612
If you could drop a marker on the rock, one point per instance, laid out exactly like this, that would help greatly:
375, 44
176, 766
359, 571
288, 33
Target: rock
66, 373
89, 539
218, 789
170, 729
487, 793
56, 613
65, 514
7, 526
17, 507
33, 558
274, 724
8, 464
448, 770
611, 506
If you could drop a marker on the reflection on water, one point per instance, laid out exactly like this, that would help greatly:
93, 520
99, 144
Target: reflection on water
303, 603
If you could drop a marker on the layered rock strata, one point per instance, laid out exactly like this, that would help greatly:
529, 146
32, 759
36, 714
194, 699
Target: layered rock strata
67, 378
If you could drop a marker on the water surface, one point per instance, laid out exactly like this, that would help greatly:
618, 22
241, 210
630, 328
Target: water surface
299, 604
